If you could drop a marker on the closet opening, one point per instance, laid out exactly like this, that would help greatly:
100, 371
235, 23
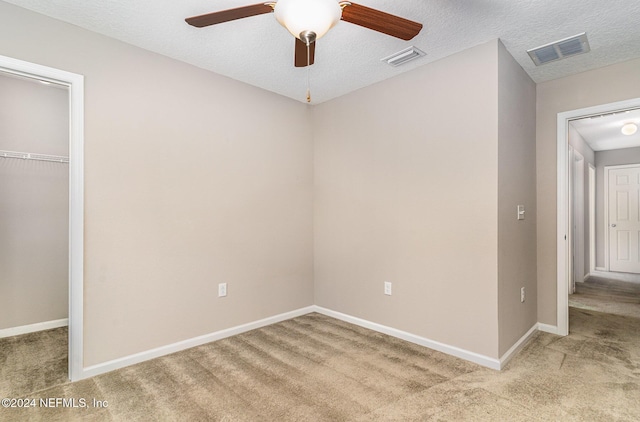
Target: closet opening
41, 225
34, 232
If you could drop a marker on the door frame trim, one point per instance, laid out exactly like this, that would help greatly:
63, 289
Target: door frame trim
75, 84
592, 218
607, 255
577, 237
562, 196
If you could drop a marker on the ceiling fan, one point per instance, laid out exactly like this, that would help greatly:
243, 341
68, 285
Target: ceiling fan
309, 20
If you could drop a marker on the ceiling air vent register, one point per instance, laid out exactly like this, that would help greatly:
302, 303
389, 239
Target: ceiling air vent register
561, 49
404, 56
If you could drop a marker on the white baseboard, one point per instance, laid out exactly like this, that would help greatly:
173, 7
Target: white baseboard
626, 277
553, 329
517, 346
32, 328
601, 269
101, 368
483, 360
431, 344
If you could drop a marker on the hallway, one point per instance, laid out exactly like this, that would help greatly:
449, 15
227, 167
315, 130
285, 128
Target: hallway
607, 295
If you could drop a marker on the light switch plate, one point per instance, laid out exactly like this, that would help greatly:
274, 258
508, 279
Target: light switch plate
520, 212
387, 288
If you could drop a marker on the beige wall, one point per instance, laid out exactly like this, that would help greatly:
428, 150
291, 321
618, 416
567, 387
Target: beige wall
191, 179
406, 191
516, 186
34, 199
608, 158
609, 84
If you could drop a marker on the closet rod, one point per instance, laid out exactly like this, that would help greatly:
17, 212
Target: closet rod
32, 156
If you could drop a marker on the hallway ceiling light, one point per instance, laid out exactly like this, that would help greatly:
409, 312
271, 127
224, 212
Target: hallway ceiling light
629, 129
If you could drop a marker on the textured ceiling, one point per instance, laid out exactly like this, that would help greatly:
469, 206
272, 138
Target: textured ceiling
604, 132
259, 51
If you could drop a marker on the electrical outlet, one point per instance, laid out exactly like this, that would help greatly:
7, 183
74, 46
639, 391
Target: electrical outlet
222, 289
522, 294
387, 288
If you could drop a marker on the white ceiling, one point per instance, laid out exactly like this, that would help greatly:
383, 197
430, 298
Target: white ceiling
258, 51
603, 132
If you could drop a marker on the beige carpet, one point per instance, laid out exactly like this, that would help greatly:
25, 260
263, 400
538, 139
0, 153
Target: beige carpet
315, 368
33, 362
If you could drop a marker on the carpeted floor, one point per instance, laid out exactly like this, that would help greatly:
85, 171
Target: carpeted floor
33, 362
315, 368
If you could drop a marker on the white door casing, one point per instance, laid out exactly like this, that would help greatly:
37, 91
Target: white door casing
592, 218
571, 223
622, 221
578, 220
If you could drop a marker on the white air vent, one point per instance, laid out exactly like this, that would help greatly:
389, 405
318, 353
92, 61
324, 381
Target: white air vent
560, 49
403, 56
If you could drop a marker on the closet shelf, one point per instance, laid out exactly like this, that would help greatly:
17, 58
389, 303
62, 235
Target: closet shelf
32, 156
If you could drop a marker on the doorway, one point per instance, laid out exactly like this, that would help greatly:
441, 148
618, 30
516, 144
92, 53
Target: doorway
34, 238
75, 86
565, 261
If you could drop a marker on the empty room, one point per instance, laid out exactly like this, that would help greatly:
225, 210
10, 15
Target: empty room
319, 210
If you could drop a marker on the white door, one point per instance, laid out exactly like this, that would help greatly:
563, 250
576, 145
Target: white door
624, 219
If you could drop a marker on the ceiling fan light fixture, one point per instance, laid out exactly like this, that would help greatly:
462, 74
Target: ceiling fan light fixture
629, 129
304, 16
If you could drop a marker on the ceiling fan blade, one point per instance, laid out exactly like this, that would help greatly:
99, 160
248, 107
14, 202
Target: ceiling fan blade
380, 21
301, 53
229, 15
